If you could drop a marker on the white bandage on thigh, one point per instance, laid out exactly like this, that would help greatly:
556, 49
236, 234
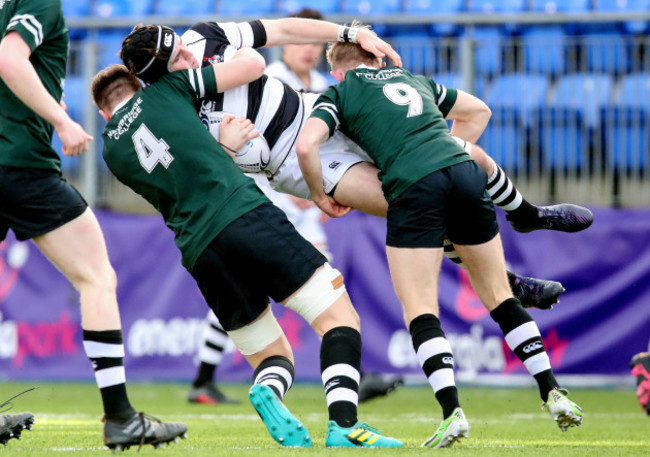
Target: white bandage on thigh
318, 294
252, 338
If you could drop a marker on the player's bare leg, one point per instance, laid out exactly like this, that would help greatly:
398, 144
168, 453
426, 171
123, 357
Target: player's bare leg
415, 278
486, 267
78, 249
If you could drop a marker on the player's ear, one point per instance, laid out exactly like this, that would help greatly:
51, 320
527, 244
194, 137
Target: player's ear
103, 114
338, 74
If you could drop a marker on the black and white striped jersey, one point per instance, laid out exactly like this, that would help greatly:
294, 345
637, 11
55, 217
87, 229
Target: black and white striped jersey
275, 108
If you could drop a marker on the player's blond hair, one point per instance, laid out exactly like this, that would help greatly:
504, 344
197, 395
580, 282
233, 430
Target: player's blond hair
343, 54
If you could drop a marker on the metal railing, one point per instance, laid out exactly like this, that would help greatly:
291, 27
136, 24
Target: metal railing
570, 112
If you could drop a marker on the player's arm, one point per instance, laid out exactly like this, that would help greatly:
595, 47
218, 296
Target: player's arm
470, 115
19, 75
315, 133
246, 66
295, 30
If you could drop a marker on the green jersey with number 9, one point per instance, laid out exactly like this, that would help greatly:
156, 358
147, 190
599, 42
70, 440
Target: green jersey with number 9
156, 144
395, 117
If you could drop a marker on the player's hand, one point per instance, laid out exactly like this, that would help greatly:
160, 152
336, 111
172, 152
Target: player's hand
301, 203
375, 45
331, 207
235, 132
73, 136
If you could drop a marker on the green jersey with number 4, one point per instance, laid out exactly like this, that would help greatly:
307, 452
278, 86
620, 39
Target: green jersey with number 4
156, 145
396, 117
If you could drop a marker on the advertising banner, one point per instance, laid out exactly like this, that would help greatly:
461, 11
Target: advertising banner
602, 319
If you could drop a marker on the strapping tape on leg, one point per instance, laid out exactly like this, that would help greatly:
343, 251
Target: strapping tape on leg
318, 294
252, 338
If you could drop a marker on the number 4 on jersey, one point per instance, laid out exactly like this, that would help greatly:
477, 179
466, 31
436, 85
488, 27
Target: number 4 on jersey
151, 150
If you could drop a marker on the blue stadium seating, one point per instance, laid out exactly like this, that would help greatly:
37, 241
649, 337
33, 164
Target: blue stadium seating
496, 6
109, 44
626, 5
135, 9
489, 50
76, 8
255, 8
544, 49
184, 8
572, 116
583, 92
371, 7
324, 6
419, 55
605, 53
448, 7
560, 6
627, 124
514, 99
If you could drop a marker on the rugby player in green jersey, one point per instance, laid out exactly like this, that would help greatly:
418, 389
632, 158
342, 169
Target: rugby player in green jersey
239, 247
350, 177
432, 188
37, 203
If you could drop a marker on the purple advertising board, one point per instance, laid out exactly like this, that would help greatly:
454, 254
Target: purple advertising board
602, 320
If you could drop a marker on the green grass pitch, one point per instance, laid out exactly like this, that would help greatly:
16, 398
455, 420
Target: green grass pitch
503, 422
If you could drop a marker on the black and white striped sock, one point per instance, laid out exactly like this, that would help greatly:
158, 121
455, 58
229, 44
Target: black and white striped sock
214, 340
505, 195
276, 372
340, 364
523, 337
436, 359
105, 350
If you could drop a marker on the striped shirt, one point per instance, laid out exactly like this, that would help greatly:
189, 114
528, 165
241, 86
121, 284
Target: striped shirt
275, 108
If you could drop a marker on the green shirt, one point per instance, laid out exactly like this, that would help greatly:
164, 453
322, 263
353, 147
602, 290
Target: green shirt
398, 119
156, 144
25, 137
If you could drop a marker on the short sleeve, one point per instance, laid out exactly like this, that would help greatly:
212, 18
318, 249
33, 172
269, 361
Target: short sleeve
34, 20
327, 109
445, 97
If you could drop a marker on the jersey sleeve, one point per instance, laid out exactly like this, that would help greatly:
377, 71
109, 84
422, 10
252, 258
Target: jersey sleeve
200, 82
34, 20
327, 109
445, 97
250, 34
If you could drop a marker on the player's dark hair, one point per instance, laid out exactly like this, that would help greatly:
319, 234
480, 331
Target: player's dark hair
308, 13
111, 85
147, 50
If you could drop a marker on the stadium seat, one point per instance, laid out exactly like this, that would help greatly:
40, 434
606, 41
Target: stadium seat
109, 44
326, 7
423, 7
419, 53
544, 49
496, 6
605, 53
184, 8
368, 7
76, 8
572, 117
513, 99
560, 6
627, 124
135, 9
583, 92
625, 6
255, 8
489, 47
